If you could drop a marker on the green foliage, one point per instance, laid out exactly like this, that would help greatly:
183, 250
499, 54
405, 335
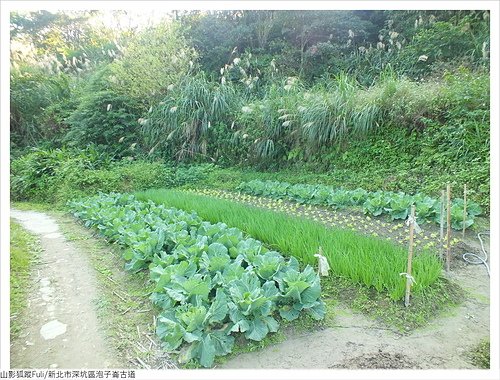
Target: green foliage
34, 174
182, 124
154, 59
466, 39
191, 175
480, 354
51, 55
317, 91
310, 44
391, 121
124, 176
105, 119
22, 254
32, 91
291, 122
202, 300
61, 42
377, 204
59, 175
301, 292
347, 252
397, 205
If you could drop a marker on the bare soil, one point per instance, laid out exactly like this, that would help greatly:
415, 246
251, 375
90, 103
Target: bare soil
379, 360
65, 290
358, 342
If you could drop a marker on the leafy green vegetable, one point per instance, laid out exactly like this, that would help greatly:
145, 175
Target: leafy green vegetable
210, 281
216, 259
426, 208
268, 264
339, 199
397, 205
300, 291
251, 306
376, 204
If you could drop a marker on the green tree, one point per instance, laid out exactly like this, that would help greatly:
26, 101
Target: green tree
155, 59
51, 54
63, 41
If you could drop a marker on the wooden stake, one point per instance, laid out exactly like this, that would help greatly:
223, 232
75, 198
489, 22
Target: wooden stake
441, 225
409, 279
465, 209
448, 227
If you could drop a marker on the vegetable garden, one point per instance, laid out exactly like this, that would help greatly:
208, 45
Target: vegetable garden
214, 281
210, 280
396, 205
253, 165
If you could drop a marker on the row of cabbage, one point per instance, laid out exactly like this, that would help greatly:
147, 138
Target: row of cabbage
396, 205
211, 281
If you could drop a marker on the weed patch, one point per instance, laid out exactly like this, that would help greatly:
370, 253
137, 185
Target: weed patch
480, 354
24, 250
443, 295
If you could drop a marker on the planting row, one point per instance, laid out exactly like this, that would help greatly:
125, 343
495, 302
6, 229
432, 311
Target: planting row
364, 260
211, 280
395, 231
396, 205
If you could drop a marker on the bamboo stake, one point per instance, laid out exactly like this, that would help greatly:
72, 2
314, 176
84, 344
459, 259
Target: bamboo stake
409, 278
465, 210
448, 227
441, 225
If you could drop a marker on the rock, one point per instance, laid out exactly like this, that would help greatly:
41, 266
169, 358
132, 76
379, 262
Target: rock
52, 329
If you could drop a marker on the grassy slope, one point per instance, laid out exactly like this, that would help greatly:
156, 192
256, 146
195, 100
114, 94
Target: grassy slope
349, 254
429, 134
23, 250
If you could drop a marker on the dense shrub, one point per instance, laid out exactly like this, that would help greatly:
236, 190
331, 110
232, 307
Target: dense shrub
59, 175
465, 40
186, 124
122, 176
33, 92
191, 174
34, 174
200, 119
105, 119
154, 59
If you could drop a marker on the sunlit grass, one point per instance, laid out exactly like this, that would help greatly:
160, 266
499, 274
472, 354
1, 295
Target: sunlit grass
370, 261
22, 253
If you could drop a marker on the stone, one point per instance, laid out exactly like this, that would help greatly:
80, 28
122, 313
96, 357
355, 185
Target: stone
52, 329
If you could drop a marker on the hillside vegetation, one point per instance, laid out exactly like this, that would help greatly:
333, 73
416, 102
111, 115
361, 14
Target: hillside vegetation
383, 100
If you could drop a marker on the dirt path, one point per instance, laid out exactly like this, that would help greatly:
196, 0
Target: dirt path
359, 342
61, 330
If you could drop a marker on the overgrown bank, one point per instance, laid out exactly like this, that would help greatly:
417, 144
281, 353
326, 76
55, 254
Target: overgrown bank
386, 101
382, 100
